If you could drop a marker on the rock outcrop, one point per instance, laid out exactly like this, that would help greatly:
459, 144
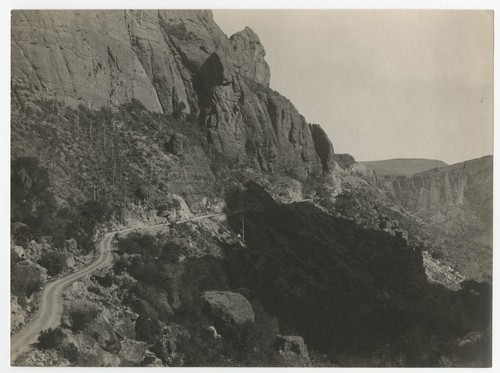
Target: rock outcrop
344, 160
174, 62
323, 147
228, 307
250, 56
176, 144
292, 351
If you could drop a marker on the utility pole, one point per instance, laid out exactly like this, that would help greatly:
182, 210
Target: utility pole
78, 120
243, 227
105, 137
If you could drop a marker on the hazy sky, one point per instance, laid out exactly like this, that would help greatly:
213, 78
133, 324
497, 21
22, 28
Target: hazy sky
384, 84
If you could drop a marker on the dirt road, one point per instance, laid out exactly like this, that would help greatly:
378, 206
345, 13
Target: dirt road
50, 307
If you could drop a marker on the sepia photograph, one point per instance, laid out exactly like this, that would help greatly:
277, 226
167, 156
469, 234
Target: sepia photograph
251, 187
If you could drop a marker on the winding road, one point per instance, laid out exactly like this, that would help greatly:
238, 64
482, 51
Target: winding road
51, 306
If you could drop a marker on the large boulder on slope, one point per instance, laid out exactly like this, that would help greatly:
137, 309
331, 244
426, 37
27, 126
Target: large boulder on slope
291, 350
228, 307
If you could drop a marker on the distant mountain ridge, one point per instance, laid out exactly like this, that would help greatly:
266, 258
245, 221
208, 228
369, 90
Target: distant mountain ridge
402, 166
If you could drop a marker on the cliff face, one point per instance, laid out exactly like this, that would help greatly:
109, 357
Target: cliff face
172, 61
466, 186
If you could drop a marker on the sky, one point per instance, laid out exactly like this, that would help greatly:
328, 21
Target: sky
383, 84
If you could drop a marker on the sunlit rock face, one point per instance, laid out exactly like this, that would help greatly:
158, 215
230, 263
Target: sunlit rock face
174, 62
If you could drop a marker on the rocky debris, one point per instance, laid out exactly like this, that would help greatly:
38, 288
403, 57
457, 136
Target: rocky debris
88, 351
176, 144
110, 360
35, 249
150, 360
292, 350
18, 315
133, 315
125, 327
228, 307
38, 358
166, 348
440, 273
132, 352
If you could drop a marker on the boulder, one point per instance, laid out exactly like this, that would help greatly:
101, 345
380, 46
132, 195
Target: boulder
132, 352
125, 327
176, 144
70, 261
110, 360
291, 350
154, 362
19, 252
228, 307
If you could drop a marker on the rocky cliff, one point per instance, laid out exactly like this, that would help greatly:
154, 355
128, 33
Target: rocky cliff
438, 193
174, 62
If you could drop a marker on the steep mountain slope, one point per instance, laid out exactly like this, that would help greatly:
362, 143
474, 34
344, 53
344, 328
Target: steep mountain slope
123, 117
173, 62
447, 210
344, 288
402, 166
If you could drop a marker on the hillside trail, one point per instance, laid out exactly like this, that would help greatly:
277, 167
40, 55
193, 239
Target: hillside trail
51, 305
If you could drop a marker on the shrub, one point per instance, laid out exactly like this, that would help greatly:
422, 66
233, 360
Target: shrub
54, 262
29, 182
178, 109
105, 281
50, 338
80, 317
93, 213
71, 353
